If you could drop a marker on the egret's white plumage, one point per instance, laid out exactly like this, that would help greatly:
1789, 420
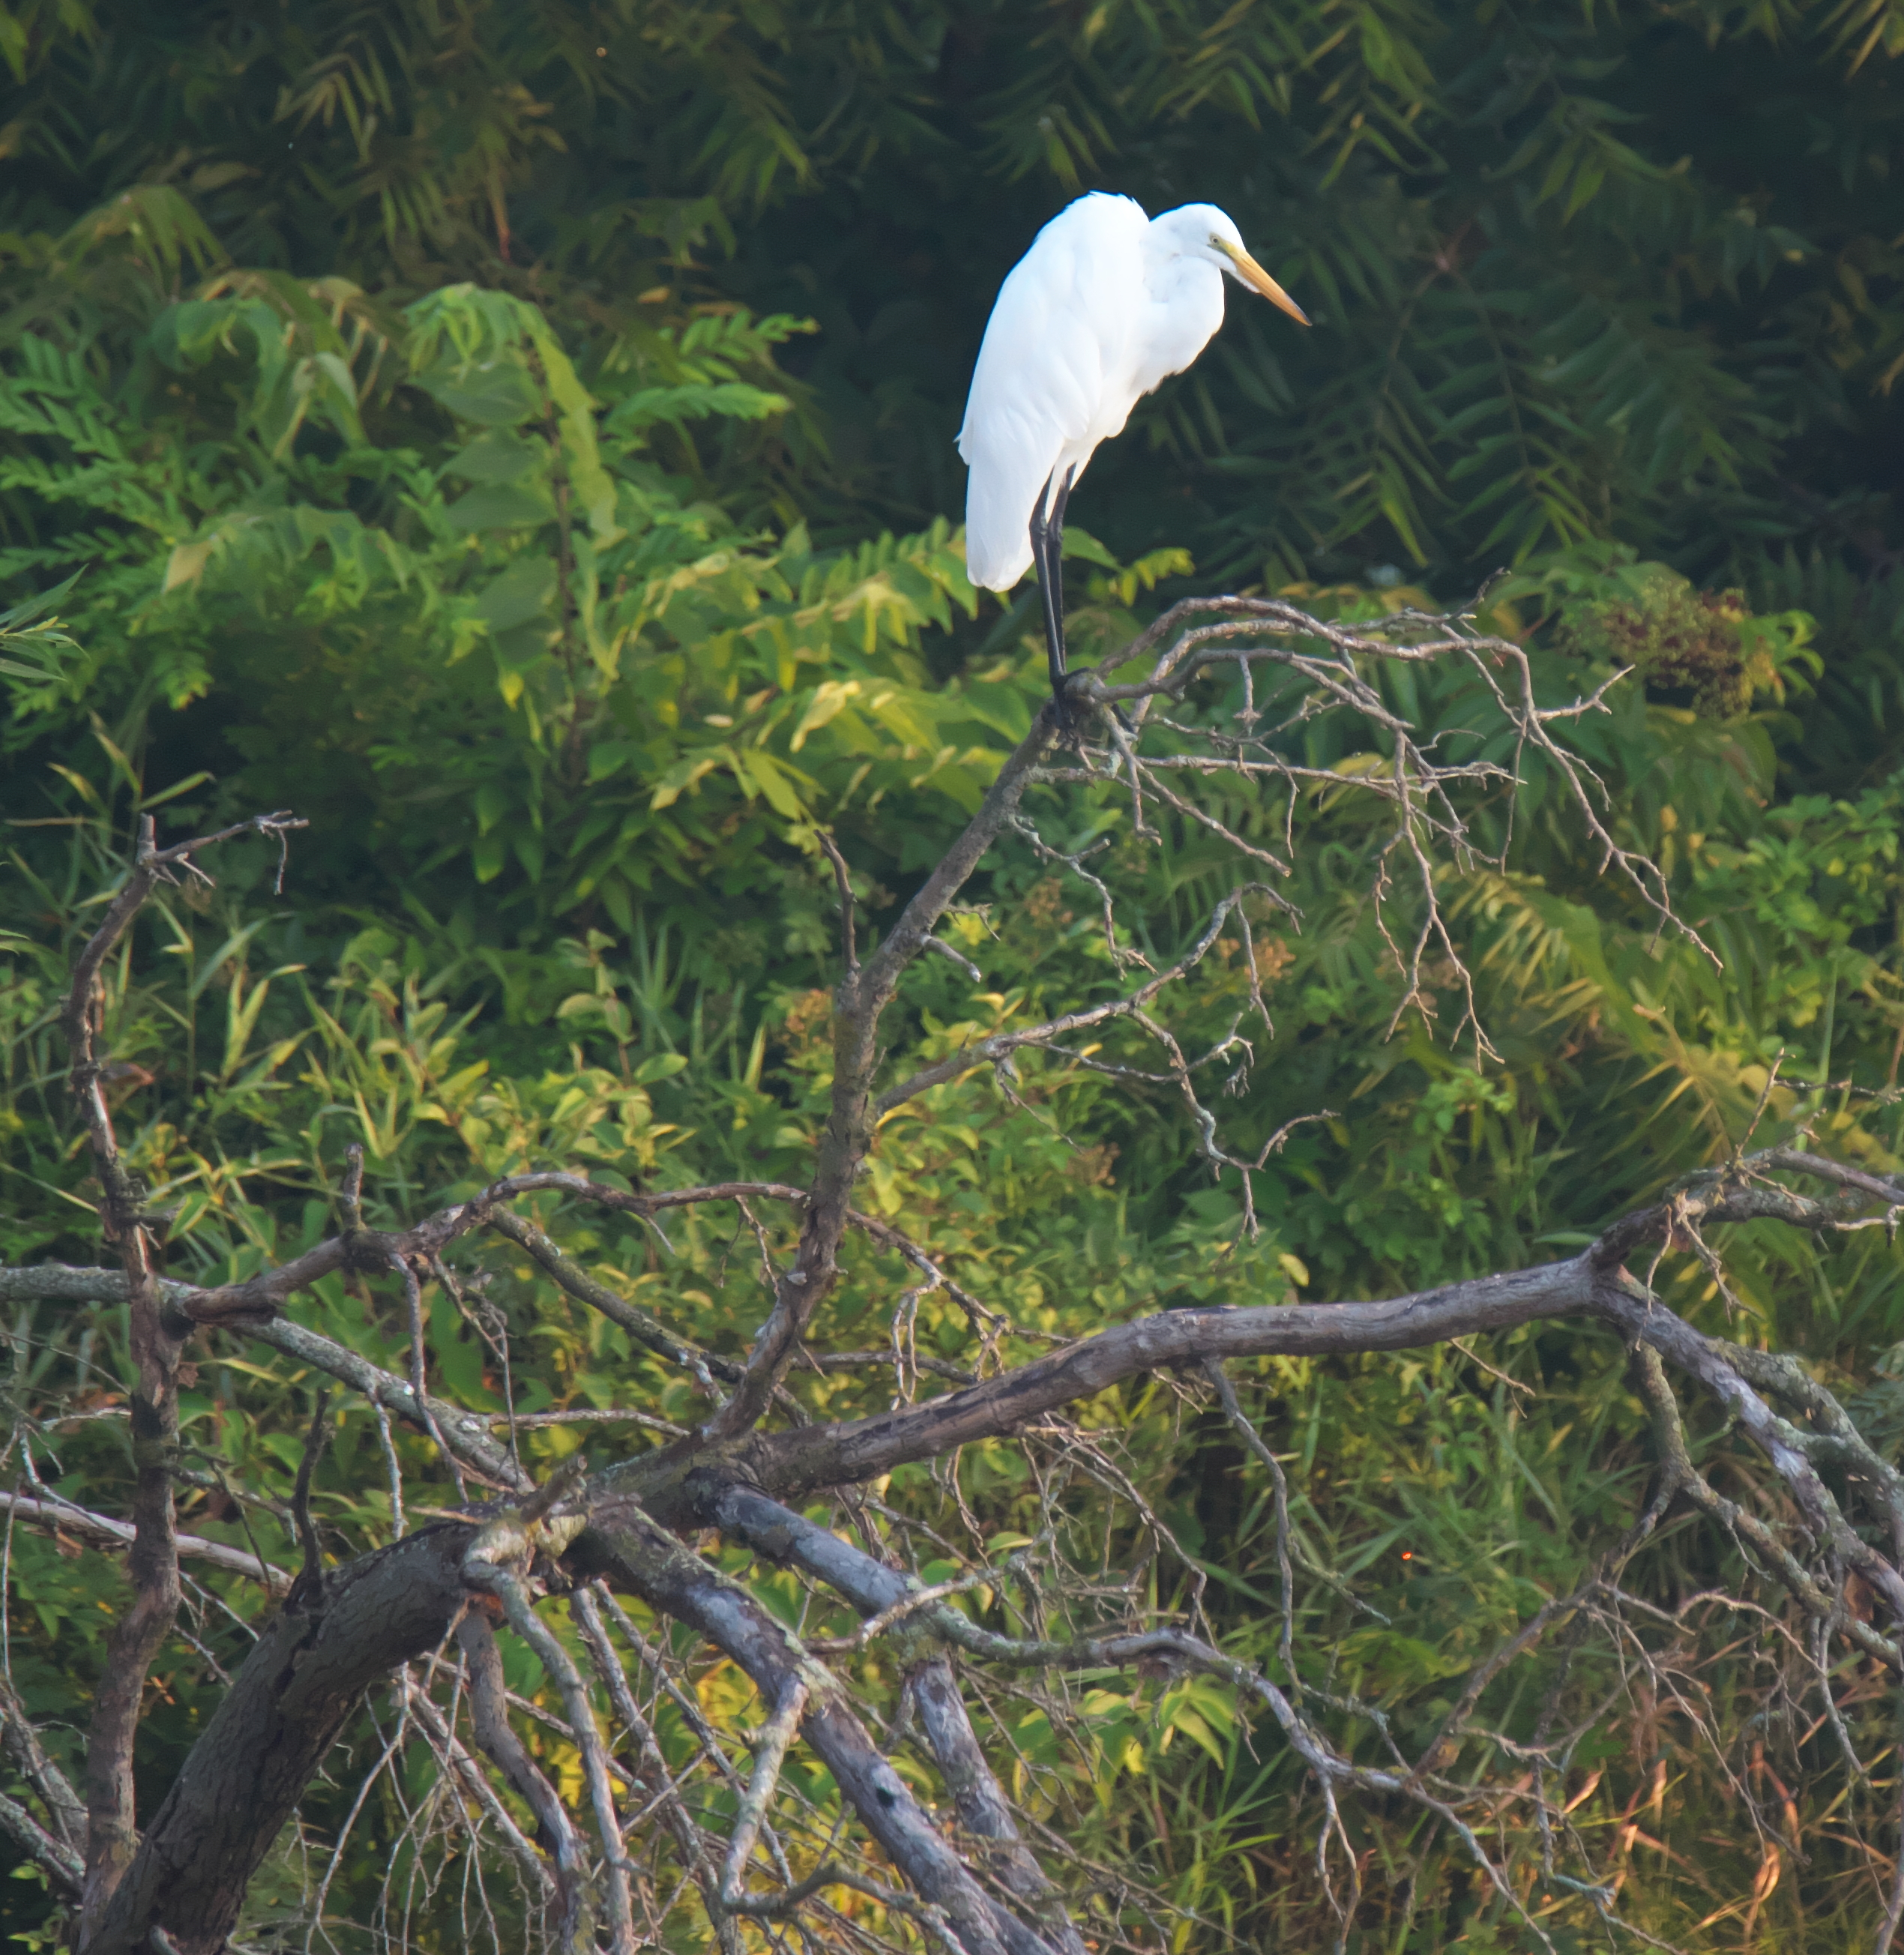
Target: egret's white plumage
1105, 305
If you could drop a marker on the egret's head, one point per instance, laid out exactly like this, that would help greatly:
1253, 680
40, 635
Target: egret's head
1207, 232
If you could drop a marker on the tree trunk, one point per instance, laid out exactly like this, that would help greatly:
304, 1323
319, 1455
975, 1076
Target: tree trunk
307, 1672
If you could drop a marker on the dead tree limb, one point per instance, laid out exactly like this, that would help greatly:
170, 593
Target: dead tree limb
153, 1561
862, 997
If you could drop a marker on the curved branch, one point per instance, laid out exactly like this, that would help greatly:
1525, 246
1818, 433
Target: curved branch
795, 1463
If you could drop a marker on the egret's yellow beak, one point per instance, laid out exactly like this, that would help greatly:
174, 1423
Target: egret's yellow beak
1255, 276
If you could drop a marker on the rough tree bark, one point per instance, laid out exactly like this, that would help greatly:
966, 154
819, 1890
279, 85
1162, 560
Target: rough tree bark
308, 1672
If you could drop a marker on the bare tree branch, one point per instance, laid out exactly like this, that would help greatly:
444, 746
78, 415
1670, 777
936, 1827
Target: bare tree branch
489, 1721
59, 1516
858, 1003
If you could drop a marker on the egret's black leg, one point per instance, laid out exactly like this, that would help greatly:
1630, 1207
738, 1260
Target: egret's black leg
1056, 525
1047, 552
1054, 550
1046, 540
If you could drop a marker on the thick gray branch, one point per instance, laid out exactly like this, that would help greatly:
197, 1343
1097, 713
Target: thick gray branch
623, 1544
780, 1535
796, 1463
489, 1721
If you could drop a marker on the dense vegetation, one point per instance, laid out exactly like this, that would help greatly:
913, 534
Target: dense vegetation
518, 436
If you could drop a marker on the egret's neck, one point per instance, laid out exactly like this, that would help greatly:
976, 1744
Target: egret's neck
1186, 307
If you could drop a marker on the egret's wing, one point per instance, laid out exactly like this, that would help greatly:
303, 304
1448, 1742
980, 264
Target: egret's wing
1056, 340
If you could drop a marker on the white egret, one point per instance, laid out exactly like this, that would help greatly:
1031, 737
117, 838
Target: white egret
1106, 306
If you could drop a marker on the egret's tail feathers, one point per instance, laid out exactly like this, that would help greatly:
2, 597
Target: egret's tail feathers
993, 563
998, 502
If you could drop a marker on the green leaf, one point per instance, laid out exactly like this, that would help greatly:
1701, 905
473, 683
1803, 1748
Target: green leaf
524, 589
502, 506
498, 393
499, 456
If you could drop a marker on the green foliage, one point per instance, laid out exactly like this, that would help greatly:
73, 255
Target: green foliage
1704, 644
1566, 282
253, 1049
36, 641
488, 595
